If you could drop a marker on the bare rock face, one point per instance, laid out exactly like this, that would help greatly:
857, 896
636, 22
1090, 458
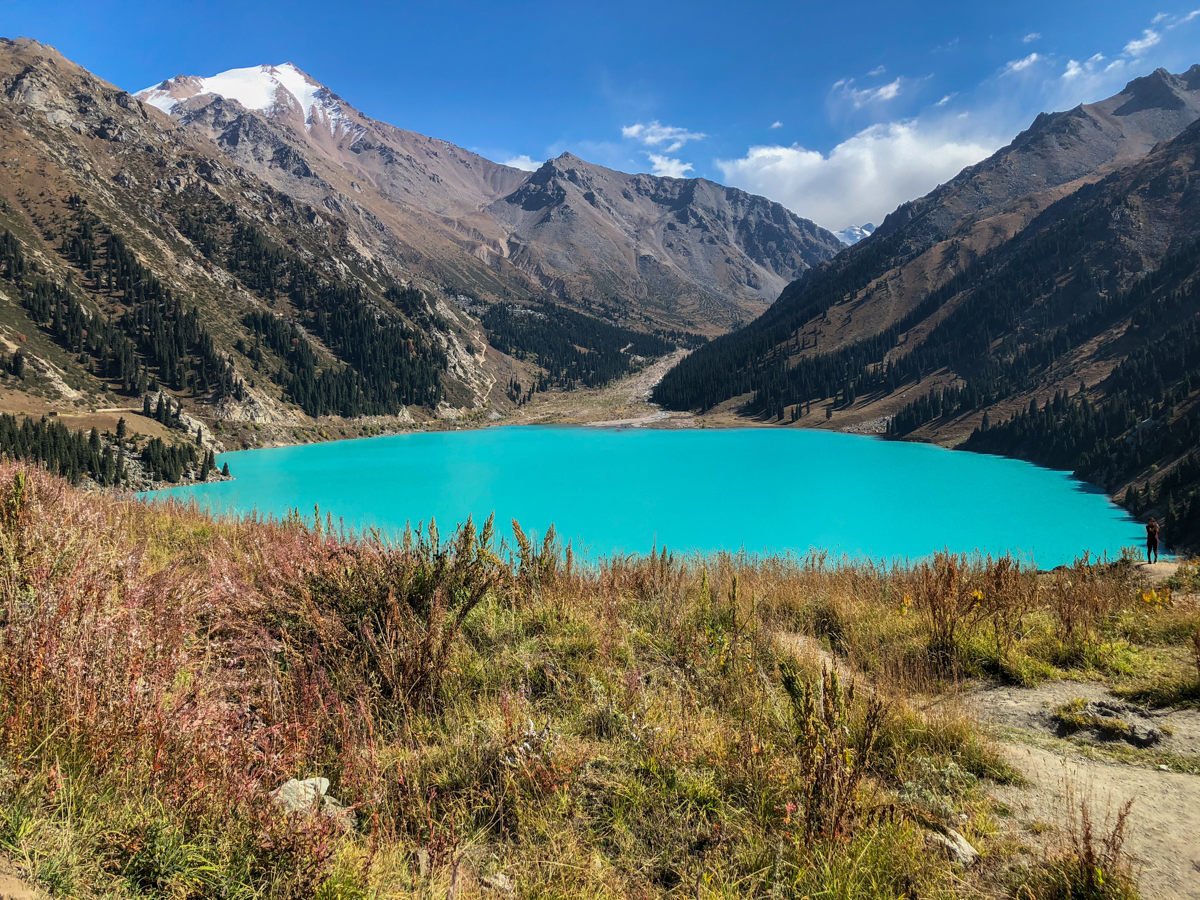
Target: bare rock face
80, 154
928, 242
687, 247
1057, 149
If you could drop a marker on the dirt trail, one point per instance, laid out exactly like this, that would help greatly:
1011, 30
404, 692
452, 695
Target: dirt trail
13, 887
1163, 834
1164, 825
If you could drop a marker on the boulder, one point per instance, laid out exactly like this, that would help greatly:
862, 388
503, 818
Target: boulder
299, 795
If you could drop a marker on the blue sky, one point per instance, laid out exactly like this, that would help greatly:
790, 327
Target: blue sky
838, 110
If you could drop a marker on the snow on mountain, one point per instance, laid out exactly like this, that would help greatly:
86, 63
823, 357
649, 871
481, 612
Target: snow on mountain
855, 233
268, 89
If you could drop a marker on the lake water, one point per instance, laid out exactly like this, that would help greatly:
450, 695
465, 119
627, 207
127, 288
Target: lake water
620, 491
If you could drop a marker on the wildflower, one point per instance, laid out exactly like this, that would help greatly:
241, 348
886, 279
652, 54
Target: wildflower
1153, 598
977, 594
905, 604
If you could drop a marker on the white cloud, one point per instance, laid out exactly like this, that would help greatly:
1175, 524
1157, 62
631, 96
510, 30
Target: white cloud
1098, 76
524, 161
861, 97
669, 138
863, 178
1170, 22
1020, 65
1090, 66
867, 175
877, 71
667, 166
1031, 37
1138, 46
776, 124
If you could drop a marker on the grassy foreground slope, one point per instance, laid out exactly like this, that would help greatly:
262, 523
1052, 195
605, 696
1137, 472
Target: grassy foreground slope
517, 726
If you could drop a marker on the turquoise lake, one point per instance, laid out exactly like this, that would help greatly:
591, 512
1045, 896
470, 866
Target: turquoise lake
628, 490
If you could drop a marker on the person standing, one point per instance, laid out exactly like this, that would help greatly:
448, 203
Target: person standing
1152, 536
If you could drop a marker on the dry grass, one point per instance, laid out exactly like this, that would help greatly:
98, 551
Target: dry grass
1090, 864
633, 728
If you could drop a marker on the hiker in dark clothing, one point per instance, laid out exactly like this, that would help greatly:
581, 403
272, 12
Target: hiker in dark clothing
1152, 531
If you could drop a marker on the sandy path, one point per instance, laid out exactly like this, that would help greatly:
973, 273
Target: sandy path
12, 887
1164, 825
1163, 834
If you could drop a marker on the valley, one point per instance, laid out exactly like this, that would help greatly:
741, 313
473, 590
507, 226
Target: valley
354, 295
452, 463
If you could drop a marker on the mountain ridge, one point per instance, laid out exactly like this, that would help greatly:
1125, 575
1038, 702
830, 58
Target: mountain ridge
470, 214
1002, 291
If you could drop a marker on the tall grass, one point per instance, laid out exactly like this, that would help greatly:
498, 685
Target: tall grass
1090, 864
633, 728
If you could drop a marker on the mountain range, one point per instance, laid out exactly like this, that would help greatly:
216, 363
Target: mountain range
247, 252
639, 249
1043, 303
305, 260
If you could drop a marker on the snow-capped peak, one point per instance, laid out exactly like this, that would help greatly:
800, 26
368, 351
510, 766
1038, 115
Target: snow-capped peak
855, 233
268, 89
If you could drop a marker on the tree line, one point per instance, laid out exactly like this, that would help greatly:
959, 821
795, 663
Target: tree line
384, 358
77, 455
573, 349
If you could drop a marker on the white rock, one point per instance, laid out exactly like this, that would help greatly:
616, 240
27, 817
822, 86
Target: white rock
956, 847
300, 795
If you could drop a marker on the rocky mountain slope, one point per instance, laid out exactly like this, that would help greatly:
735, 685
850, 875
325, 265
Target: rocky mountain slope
641, 250
1042, 303
135, 256
263, 256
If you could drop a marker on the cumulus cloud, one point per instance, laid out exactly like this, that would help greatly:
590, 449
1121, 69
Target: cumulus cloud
524, 161
668, 138
1020, 65
867, 175
776, 124
668, 166
861, 97
1031, 37
861, 179
1138, 46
